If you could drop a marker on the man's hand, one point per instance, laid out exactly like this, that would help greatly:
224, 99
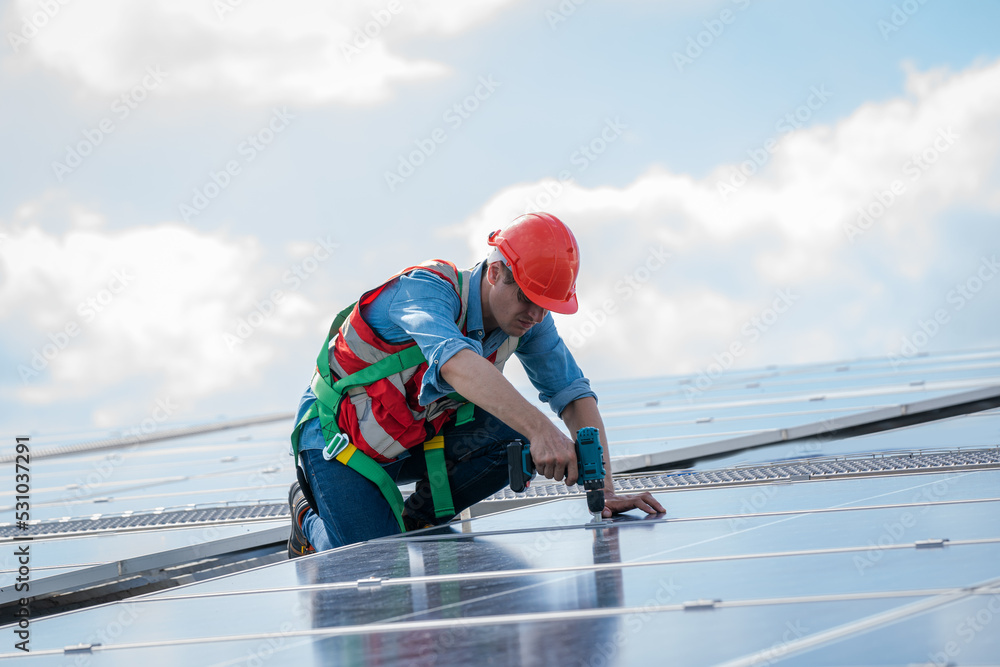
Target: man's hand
615, 504
554, 454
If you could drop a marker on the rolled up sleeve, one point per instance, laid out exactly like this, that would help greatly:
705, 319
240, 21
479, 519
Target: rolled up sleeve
423, 307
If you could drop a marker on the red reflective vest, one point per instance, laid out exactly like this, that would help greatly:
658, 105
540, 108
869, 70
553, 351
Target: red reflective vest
384, 419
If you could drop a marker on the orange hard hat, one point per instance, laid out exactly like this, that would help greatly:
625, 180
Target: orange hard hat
543, 256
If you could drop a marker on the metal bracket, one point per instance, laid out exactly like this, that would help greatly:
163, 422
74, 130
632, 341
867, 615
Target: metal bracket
931, 544
696, 605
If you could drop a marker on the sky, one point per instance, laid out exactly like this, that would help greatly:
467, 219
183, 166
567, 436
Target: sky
192, 190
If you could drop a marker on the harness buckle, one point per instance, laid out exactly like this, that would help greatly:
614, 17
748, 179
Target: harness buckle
337, 444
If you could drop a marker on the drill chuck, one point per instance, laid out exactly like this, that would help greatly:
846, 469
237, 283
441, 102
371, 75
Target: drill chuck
595, 501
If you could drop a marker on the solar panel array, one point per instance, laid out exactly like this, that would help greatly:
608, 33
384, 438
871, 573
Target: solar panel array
875, 549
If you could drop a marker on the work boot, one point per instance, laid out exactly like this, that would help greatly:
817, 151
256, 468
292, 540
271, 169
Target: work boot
298, 545
411, 523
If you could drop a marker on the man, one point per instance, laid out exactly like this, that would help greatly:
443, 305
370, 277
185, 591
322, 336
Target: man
409, 388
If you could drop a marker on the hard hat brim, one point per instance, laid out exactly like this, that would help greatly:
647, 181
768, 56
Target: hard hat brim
562, 307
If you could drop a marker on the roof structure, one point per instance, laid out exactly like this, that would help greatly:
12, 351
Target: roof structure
826, 514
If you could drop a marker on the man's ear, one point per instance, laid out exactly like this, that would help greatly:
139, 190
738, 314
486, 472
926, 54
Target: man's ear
492, 273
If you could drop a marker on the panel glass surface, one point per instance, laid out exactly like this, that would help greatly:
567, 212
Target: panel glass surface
758, 498
637, 637
974, 431
515, 562
961, 633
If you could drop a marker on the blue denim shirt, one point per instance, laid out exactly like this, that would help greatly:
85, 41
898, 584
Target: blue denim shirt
423, 307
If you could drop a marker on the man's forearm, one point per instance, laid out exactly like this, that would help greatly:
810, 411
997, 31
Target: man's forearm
479, 381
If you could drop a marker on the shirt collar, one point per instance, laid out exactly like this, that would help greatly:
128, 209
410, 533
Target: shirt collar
474, 315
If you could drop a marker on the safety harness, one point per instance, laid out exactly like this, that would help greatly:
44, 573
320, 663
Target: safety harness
329, 395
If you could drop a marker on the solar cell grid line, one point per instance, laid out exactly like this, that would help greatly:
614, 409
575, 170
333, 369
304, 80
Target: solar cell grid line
813, 390
393, 626
866, 370
844, 466
783, 386
281, 489
128, 465
737, 557
782, 520
154, 436
138, 484
121, 495
712, 405
980, 399
124, 470
688, 420
348, 585
573, 571
863, 412
959, 633
768, 554
143, 561
849, 503
255, 509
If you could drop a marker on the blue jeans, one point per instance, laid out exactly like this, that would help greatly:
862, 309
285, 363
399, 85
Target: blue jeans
352, 509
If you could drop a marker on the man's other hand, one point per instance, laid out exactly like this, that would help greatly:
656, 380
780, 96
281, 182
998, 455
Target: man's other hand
615, 504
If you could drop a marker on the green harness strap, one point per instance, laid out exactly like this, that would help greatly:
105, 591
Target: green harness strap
327, 406
364, 465
437, 476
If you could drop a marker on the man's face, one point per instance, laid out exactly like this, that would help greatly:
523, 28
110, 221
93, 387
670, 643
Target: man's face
512, 310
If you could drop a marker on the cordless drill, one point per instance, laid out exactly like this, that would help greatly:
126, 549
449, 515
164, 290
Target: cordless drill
589, 459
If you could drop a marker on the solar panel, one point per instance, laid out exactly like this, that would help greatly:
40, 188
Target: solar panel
815, 560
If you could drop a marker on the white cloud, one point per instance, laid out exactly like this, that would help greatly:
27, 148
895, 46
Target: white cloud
795, 224
312, 52
148, 308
